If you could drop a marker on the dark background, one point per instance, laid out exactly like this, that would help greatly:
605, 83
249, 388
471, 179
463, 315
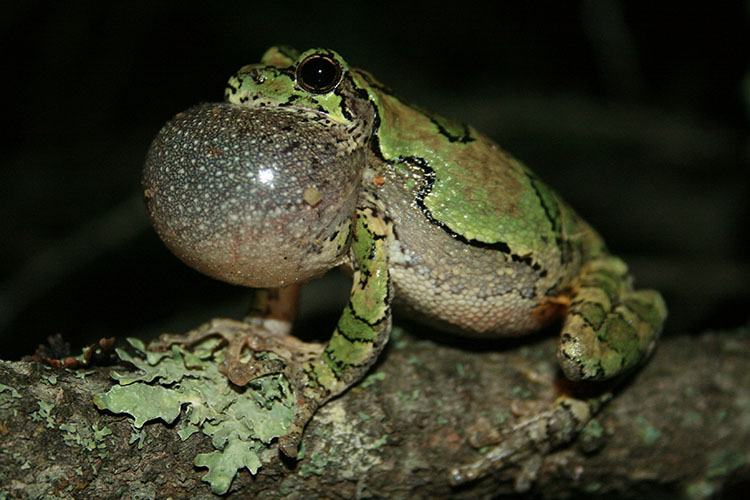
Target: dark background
636, 112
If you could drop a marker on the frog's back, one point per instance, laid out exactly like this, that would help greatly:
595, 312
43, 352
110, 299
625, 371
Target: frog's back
480, 243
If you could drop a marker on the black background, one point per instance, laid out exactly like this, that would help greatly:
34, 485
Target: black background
636, 112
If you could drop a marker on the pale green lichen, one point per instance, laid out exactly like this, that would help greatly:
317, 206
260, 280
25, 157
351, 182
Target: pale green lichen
381, 441
81, 374
7, 396
342, 445
521, 392
724, 462
372, 379
397, 340
593, 429
646, 431
364, 417
140, 436
13, 392
89, 440
44, 413
414, 361
316, 465
223, 465
501, 417
241, 422
413, 396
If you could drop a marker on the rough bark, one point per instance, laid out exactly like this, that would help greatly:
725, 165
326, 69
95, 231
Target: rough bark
680, 427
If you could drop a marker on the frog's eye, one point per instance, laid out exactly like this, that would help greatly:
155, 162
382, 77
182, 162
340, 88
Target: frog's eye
318, 73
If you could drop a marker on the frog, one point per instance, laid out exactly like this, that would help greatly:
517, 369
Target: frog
309, 165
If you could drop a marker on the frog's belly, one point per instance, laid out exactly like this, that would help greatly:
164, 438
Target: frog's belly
468, 309
476, 291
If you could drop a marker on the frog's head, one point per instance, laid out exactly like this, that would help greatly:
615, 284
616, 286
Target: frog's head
261, 191
317, 81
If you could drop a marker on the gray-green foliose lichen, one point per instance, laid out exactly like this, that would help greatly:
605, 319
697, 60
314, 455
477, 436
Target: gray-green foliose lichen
240, 423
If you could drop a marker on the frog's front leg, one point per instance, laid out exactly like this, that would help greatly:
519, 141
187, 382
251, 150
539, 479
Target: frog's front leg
360, 335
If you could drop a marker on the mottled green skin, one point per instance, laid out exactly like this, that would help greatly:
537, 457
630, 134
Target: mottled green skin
456, 229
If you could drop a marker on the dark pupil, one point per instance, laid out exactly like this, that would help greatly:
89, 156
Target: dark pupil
318, 73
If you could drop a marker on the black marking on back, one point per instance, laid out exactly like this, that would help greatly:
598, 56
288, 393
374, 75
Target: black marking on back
464, 138
429, 178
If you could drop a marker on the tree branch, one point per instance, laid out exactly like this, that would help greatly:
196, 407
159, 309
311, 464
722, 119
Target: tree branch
680, 425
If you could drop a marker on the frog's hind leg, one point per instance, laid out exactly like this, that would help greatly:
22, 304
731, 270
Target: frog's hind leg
360, 334
609, 327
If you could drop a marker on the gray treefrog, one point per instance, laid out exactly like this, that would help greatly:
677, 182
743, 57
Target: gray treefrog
311, 164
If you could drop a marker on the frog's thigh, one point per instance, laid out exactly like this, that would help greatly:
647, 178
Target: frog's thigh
609, 326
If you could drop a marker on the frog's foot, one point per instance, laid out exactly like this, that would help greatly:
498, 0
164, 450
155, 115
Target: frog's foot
225, 328
526, 443
296, 358
256, 336
293, 352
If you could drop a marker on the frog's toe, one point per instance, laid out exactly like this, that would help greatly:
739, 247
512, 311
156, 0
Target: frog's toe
242, 372
289, 444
